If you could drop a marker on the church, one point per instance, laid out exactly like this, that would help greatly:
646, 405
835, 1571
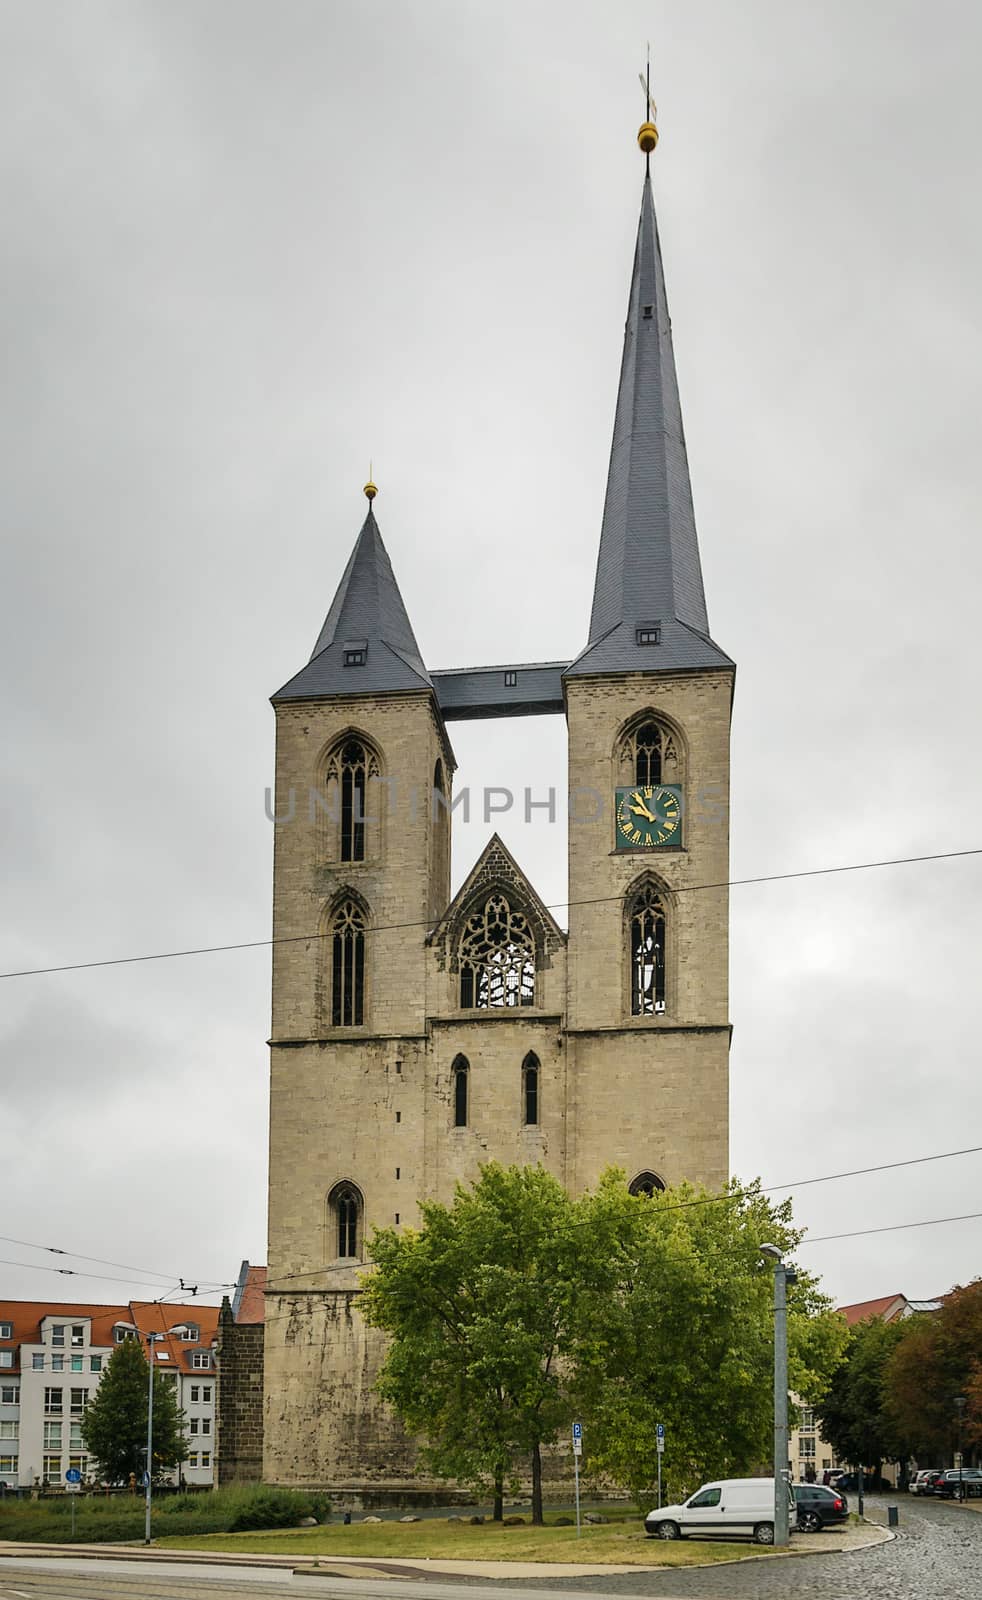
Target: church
417, 1034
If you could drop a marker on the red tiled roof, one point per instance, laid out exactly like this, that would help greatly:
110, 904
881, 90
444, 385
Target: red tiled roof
888, 1307
252, 1306
146, 1316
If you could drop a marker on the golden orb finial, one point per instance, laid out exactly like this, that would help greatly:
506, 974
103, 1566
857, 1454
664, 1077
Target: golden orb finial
647, 137
370, 491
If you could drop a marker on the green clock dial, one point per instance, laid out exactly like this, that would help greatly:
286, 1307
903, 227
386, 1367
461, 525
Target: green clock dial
648, 816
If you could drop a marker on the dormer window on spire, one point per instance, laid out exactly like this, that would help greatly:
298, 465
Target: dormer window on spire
355, 652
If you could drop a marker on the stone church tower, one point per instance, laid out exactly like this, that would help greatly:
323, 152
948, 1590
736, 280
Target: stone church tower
415, 1036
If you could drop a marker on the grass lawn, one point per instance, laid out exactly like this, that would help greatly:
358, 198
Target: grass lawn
616, 1544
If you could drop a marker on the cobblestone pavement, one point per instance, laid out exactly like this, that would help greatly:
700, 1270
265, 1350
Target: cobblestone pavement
937, 1556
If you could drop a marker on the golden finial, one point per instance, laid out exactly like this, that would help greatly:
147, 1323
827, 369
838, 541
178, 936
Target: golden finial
648, 133
370, 490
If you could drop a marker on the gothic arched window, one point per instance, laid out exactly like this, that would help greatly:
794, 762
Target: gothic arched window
649, 752
344, 1216
352, 830
647, 1183
531, 1072
497, 957
460, 1073
348, 965
646, 933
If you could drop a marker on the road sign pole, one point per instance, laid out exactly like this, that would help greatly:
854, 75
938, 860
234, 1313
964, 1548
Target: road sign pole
577, 1451
149, 1472
660, 1442
73, 1518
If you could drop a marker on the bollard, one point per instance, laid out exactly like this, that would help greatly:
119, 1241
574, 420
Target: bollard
347, 1519
893, 1517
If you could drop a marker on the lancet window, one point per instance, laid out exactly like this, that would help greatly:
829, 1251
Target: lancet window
646, 933
345, 1205
460, 1075
497, 957
348, 966
350, 766
531, 1072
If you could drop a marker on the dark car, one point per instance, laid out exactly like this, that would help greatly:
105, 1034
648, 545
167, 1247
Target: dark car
818, 1507
957, 1483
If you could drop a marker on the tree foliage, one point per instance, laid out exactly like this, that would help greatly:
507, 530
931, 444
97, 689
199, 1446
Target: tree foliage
114, 1427
517, 1308
854, 1413
683, 1335
938, 1358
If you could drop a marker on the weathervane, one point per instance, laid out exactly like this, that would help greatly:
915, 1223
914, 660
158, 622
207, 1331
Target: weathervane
648, 133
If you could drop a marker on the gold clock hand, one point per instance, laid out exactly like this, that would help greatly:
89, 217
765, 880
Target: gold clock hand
641, 809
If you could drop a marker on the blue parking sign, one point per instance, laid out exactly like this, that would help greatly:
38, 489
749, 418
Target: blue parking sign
73, 1475
577, 1430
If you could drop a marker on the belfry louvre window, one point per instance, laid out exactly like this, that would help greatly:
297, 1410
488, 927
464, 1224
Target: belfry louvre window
647, 1183
348, 966
648, 753
460, 1073
497, 957
647, 949
530, 1090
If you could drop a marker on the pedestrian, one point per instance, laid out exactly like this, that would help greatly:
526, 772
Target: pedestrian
809, 1473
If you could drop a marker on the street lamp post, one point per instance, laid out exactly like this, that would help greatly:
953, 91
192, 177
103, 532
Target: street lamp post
151, 1341
960, 1404
782, 1277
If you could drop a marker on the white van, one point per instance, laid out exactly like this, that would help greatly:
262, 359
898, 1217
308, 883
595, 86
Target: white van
727, 1509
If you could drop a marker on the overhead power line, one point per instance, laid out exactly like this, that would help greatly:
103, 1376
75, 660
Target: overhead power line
100, 1261
894, 1227
557, 905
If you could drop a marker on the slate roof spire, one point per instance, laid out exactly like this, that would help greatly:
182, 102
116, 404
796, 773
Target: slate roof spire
649, 576
367, 645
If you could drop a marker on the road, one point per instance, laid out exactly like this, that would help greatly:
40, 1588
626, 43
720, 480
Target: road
938, 1556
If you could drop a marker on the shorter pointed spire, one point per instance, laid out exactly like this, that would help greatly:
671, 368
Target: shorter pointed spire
367, 644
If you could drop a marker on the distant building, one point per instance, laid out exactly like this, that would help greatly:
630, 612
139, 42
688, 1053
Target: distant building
239, 1352
52, 1357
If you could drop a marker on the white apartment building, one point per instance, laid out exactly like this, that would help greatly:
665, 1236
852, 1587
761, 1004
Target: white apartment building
52, 1358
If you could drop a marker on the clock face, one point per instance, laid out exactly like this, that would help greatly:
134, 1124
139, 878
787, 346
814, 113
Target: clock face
649, 816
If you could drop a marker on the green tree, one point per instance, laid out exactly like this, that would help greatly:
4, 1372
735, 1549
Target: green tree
939, 1357
854, 1414
682, 1333
479, 1305
114, 1427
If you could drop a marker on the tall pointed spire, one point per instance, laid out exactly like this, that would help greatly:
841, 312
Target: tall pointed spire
367, 645
649, 578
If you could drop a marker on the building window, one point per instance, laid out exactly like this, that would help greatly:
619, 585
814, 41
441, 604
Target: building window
648, 751
57, 1363
80, 1463
206, 1458
95, 1363
195, 1392
52, 1469
511, 680
344, 1205
78, 1400
646, 1183
647, 948
6, 1358
497, 957
8, 1394
193, 1459
807, 1422
58, 1333
6, 1330
348, 966
206, 1425
355, 654
77, 1364
8, 1463
78, 1336
75, 1436
201, 1358
647, 633
8, 1429
53, 1402
530, 1090
206, 1394
193, 1425
460, 1073
37, 1363
52, 1435
122, 1333
806, 1446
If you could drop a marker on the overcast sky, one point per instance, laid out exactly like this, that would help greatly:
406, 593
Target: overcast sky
248, 247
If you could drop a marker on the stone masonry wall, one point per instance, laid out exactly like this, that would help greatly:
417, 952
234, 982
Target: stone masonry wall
239, 1409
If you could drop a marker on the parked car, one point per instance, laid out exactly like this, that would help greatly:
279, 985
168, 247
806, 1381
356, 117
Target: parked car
957, 1483
816, 1507
726, 1509
918, 1483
